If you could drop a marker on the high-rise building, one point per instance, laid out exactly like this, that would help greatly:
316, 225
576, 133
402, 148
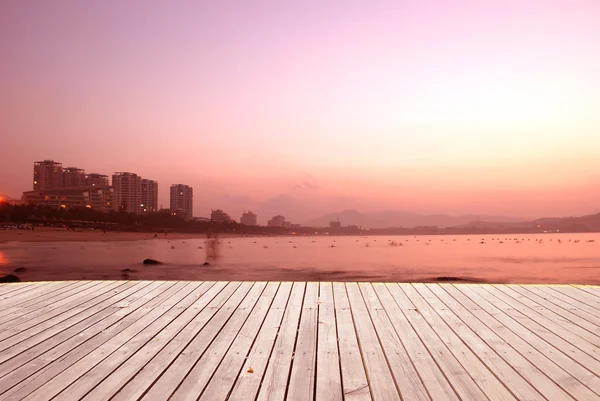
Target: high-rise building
248, 219
182, 197
219, 216
97, 198
278, 221
47, 174
149, 196
73, 177
96, 180
127, 192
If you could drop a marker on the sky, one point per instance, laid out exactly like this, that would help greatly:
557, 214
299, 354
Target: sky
310, 107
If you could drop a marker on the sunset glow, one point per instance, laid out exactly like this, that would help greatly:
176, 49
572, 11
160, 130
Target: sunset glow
312, 107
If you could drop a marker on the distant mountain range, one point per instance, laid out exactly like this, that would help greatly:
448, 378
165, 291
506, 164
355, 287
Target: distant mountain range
391, 218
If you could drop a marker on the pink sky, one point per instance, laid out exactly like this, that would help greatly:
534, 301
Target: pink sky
310, 107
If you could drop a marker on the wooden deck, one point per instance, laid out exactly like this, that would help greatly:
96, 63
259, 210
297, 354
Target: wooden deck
118, 340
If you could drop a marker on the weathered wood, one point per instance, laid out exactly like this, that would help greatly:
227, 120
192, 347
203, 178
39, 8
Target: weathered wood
462, 368
329, 381
302, 341
40, 370
236, 336
355, 385
166, 385
531, 364
407, 378
138, 383
275, 380
255, 332
383, 385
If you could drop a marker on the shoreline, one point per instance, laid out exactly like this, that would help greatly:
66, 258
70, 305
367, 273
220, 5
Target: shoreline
49, 234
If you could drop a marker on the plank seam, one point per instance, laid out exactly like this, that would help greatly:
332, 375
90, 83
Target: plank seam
289, 378
358, 341
524, 340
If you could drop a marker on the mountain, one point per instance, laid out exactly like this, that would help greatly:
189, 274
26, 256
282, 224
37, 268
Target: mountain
393, 218
346, 217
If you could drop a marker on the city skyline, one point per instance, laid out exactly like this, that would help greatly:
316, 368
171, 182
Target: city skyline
303, 109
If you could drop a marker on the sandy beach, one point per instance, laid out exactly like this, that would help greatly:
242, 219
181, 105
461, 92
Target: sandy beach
51, 234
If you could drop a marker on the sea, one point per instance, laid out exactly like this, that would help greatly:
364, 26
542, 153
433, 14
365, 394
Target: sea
524, 258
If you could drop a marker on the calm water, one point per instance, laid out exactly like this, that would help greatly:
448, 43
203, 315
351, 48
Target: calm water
543, 258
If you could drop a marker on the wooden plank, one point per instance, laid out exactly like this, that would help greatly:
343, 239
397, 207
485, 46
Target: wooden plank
41, 356
248, 382
405, 374
537, 305
164, 387
302, 376
487, 346
580, 294
219, 385
462, 368
29, 294
591, 290
532, 365
17, 335
381, 380
172, 309
119, 377
233, 365
33, 294
36, 326
544, 347
152, 370
18, 309
71, 372
550, 326
9, 290
34, 304
355, 385
34, 374
546, 331
74, 297
328, 377
433, 378
64, 330
586, 316
275, 380
549, 307
242, 326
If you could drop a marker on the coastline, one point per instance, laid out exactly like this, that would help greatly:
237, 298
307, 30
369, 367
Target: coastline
49, 234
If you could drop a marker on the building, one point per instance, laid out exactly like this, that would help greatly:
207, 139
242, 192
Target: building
97, 198
73, 177
96, 180
127, 192
149, 196
47, 174
182, 198
335, 225
219, 216
278, 221
248, 219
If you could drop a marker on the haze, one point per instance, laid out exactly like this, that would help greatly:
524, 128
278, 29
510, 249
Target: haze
310, 107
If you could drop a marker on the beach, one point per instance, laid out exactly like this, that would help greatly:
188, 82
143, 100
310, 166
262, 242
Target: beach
52, 234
